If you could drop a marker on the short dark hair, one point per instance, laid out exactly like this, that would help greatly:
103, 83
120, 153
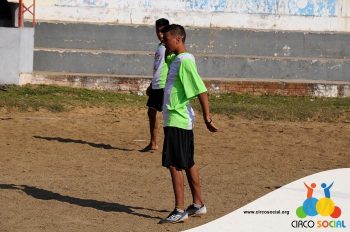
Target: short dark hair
162, 22
175, 29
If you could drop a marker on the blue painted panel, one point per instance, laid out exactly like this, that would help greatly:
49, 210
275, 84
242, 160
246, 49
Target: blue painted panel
147, 4
256, 6
331, 7
219, 5
262, 6
312, 7
197, 4
270, 7
208, 5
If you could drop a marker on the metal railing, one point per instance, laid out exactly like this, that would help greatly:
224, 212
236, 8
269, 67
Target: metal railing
22, 9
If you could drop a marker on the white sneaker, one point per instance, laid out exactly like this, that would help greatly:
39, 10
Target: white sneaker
194, 211
175, 217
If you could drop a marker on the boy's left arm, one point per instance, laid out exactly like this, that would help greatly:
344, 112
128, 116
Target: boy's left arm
203, 99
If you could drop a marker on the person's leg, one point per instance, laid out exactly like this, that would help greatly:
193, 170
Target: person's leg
178, 214
177, 178
194, 183
197, 208
171, 147
153, 128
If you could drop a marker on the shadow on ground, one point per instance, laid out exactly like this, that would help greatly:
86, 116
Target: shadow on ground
96, 145
46, 195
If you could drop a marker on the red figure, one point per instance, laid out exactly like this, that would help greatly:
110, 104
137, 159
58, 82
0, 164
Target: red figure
310, 190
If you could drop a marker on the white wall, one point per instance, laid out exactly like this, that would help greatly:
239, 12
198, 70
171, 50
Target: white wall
306, 15
16, 53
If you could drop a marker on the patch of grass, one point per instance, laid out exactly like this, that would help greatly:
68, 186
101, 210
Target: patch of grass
280, 107
57, 99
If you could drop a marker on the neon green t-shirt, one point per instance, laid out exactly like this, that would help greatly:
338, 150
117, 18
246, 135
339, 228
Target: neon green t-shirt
161, 67
164, 73
183, 83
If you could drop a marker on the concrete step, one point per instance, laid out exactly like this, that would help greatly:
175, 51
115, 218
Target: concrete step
121, 83
93, 61
95, 36
209, 65
138, 84
222, 53
199, 40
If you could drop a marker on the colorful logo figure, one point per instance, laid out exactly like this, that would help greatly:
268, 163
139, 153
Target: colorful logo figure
313, 206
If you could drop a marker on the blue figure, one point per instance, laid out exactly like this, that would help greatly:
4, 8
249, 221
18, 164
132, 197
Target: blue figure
327, 193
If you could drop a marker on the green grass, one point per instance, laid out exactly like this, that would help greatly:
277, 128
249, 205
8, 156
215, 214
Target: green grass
281, 107
58, 99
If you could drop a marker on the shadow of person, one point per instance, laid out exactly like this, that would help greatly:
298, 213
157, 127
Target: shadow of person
2, 119
97, 145
46, 195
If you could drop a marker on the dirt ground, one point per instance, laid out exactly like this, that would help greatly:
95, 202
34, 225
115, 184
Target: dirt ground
82, 170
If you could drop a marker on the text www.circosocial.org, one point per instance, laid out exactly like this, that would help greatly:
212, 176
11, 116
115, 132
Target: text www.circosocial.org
264, 212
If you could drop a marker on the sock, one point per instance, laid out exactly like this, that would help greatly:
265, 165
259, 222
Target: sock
179, 210
196, 205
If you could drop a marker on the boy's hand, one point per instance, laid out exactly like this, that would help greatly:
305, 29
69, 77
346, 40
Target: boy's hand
203, 99
210, 125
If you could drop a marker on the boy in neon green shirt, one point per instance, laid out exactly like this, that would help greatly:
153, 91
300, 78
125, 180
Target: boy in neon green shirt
155, 91
183, 84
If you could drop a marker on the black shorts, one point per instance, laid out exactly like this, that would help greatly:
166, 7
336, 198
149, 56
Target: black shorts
178, 148
155, 99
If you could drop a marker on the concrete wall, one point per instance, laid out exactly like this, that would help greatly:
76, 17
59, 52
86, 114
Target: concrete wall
220, 53
16, 53
305, 15
253, 43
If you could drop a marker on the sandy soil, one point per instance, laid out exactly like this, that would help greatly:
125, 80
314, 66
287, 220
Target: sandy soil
82, 171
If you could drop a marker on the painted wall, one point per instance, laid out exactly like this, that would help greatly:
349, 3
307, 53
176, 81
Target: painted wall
16, 53
126, 50
307, 15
